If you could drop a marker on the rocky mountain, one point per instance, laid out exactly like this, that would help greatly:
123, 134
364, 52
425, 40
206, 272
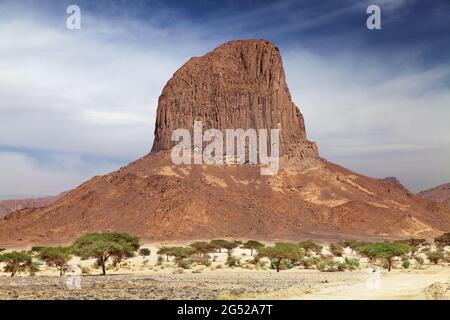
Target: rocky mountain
8, 206
240, 84
440, 194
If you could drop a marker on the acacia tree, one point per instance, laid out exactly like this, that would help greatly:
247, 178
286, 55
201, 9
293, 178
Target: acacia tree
385, 251
230, 245
415, 245
311, 247
17, 262
281, 251
219, 244
56, 256
253, 245
203, 247
336, 249
103, 246
443, 240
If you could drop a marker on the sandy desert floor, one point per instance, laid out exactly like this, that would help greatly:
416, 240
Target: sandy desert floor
231, 284
140, 278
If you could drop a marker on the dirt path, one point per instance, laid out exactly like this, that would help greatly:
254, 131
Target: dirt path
397, 284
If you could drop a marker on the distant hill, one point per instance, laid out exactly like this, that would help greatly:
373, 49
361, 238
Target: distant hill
438, 194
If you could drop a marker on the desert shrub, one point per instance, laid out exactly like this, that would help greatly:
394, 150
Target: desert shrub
309, 262
385, 251
342, 267
310, 247
352, 263
419, 260
405, 263
145, 252
233, 261
252, 245
284, 265
336, 249
85, 270
435, 256
201, 260
103, 246
145, 262
327, 266
185, 263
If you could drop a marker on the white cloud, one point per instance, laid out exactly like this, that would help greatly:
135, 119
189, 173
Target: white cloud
23, 176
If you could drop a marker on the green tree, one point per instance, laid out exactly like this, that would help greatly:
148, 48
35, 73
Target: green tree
384, 250
232, 245
181, 253
435, 256
310, 247
164, 251
103, 246
252, 245
56, 256
443, 240
219, 244
203, 247
2, 249
17, 262
415, 245
280, 252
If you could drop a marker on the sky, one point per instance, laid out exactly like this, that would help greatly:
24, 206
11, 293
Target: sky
80, 103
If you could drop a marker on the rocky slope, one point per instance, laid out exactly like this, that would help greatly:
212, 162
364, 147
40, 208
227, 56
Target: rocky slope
440, 194
240, 84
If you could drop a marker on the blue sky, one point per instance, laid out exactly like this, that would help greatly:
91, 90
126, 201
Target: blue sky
74, 104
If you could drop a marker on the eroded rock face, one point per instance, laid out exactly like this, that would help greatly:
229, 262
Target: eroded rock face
240, 84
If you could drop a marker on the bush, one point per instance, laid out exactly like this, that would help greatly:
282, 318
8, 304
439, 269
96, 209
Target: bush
285, 264
309, 262
419, 260
327, 266
435, 256
233, 261
2, 249
352, 263
159, 260
145, 252
405, 263
185, 263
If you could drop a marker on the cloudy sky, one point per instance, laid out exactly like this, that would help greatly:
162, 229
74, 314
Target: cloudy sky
79, 103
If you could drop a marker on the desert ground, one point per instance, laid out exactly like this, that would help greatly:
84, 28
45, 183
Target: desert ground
141, 277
